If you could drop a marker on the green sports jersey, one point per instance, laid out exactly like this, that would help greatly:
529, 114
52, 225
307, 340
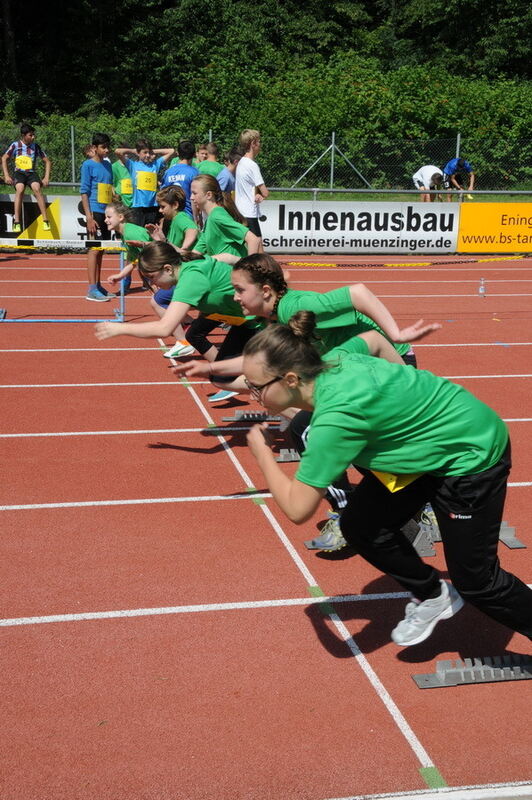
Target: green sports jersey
222, 234
136, 234
210, 168
206, 285
178, 227
122, 183
395, 419
336, 319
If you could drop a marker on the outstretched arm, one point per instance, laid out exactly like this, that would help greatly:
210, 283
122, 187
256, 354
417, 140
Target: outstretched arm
365, 301
380, 347
297, 500
173, 316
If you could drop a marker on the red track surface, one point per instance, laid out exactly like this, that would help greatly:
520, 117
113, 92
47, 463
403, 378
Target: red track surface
202, 700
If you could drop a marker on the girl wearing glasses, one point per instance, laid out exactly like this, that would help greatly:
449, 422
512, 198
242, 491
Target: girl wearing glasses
439, 444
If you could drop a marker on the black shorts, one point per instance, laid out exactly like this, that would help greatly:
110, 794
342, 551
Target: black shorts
27, 178
99, 218
146, 215
232, 347
253, 225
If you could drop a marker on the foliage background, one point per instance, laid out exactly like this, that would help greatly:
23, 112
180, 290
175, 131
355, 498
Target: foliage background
380, 74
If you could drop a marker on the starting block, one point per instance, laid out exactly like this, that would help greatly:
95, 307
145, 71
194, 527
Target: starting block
288, 455
3, 313
507, 536
251, 416
510, 667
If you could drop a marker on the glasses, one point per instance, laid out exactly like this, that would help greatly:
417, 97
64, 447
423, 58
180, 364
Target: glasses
256, 391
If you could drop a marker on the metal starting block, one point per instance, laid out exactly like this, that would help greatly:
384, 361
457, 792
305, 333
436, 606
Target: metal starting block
251, 416
507, 536
288, 455
510, 667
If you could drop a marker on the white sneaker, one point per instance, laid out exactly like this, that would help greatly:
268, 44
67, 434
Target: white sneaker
180, 348
330, 538
421, 618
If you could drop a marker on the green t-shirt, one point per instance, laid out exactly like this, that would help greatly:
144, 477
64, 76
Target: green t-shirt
206, 285
122, 183
178, 227
222, 234
136, 234
210, 168
336, 319
395, 419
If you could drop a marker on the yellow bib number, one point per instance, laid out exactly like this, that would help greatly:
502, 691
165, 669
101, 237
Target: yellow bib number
394, 483
126, 186
105, 193
23, 162
147, 181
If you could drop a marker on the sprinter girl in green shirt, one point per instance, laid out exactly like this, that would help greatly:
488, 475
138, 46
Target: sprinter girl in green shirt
438, 444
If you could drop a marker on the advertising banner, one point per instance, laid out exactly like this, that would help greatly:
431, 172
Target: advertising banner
495, 228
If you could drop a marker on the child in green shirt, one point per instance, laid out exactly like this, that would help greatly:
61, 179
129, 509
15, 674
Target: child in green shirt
420, 439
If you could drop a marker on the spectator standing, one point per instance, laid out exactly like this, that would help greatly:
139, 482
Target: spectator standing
250, 189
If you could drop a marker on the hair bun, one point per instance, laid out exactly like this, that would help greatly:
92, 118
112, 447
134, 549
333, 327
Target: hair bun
303, 325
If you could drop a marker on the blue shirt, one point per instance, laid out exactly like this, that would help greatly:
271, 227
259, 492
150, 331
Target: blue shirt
181, 175
451, 168
97, 183
226, 179
144, 177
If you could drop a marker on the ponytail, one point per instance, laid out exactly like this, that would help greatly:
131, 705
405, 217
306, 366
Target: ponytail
289, 348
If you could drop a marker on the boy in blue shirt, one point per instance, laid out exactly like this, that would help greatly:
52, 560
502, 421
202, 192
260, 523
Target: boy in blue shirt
182, 173
144, 173
24, 153
226, 178
454, 169
96, 193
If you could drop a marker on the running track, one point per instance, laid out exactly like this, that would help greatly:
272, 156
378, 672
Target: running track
164, 634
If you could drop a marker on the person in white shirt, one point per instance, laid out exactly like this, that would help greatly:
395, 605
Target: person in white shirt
250, 189
427, 178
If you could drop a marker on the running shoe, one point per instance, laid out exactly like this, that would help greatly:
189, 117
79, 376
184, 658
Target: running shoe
97, 296
180, 348
421, 618
17, 227
45, 225
330, 538
223, 394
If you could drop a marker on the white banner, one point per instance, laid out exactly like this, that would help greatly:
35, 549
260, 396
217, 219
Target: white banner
343, 227
304, 226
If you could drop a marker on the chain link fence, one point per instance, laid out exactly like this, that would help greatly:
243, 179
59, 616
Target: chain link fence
338, 162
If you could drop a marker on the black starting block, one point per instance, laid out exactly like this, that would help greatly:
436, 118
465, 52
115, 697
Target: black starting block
251, 416
3, 313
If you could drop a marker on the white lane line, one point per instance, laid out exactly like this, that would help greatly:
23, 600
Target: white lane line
151, 349
143, 297
79, 349
488, 791
200, 608
148, 431
121, 433
135, 501
194, 499
192, 382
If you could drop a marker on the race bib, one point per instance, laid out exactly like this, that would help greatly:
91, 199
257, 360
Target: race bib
23, 162
126, 186
105, 193
394, 483
147, 181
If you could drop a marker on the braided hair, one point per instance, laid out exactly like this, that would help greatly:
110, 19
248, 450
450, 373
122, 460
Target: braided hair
263, 269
